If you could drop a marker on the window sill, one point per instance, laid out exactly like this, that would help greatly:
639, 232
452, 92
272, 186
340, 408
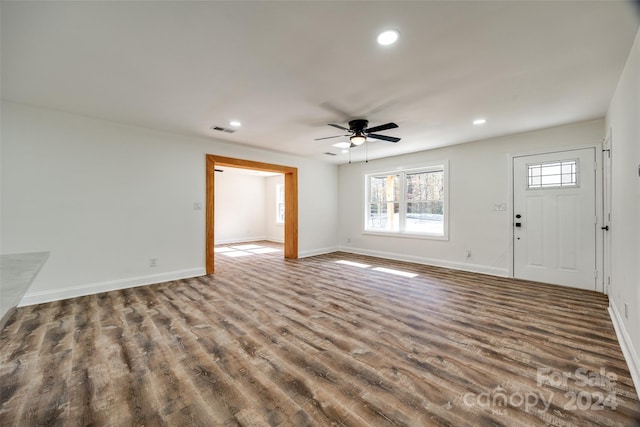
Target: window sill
423, 236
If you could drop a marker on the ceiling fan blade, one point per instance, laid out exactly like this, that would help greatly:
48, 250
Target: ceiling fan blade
383, 137
339, 127
382, 127
329, 137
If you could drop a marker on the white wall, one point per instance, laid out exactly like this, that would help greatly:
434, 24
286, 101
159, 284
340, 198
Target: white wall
246, 207
240, 207
274, 231
478, 179
623, 119
104, 198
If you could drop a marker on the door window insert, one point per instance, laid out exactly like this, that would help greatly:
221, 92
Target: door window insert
552, 175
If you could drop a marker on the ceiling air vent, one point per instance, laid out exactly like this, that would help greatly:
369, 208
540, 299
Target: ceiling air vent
330, 154
221, 129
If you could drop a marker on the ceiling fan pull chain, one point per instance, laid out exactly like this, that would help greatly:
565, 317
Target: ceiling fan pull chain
366, 152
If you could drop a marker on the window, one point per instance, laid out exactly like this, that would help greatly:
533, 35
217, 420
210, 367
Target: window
410, 202
279, 203
553, 175
384, 203
425, 202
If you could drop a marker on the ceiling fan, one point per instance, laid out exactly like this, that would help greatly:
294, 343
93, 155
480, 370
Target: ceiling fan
358, 132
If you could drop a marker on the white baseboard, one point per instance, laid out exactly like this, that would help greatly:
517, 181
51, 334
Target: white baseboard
314, 252
112, 285
474, 268
628, 350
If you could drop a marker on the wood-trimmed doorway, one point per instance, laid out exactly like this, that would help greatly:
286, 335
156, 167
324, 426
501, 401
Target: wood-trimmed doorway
290, 203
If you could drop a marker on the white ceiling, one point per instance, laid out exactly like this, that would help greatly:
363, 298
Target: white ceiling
286, 69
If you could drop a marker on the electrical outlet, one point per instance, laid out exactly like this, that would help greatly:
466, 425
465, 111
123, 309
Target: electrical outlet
468, 253
348, 240
153, 262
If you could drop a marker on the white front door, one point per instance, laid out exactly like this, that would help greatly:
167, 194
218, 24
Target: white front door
554, 224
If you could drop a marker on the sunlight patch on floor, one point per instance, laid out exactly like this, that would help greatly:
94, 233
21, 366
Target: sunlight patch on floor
380, 269
236, 254
245, 250
353, 264
396, 272
223, 249
246, 247
264, 250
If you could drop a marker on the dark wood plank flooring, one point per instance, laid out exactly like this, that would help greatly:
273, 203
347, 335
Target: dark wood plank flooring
267, 341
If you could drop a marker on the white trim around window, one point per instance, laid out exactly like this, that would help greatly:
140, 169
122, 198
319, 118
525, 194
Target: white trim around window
411, 202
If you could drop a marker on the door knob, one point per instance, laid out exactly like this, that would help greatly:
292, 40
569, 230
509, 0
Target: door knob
605, 228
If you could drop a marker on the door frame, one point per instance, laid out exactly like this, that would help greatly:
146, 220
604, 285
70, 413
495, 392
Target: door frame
290, 203
599, 261
607, 174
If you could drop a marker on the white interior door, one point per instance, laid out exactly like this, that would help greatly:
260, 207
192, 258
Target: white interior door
554, 224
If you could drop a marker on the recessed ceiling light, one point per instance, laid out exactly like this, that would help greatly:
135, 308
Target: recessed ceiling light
235, 123
388, 37
342, 145
479, 121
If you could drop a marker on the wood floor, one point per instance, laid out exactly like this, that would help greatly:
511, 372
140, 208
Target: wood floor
316, 341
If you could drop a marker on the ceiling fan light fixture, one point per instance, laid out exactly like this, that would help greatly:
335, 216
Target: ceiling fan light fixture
358, 139
342, 145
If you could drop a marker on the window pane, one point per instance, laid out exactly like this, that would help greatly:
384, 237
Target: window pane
551, 169
279, 203
385, 188
384, 216
280, 213
425, 202
384, 203
553, 175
